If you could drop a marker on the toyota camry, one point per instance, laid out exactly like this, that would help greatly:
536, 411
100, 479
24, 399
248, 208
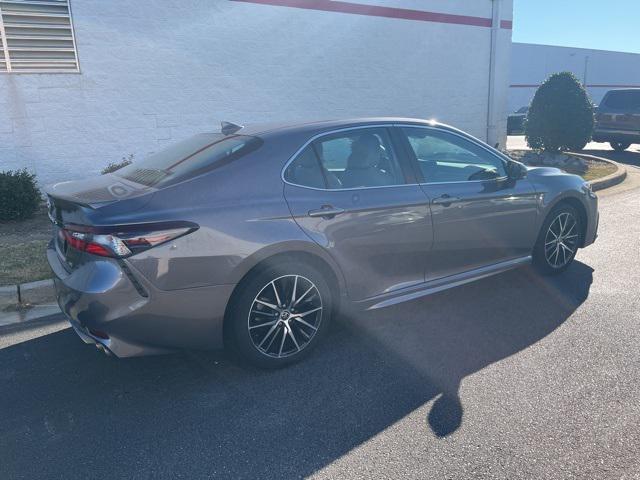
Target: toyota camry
254, 237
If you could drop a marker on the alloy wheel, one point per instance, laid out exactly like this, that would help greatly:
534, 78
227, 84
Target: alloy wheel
561, 240
285, 316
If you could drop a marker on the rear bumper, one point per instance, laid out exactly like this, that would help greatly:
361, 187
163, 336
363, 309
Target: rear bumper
616, 135
111, 304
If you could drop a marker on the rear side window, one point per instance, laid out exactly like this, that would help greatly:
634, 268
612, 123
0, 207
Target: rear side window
305, 170
358, 158
623, 100
189, 158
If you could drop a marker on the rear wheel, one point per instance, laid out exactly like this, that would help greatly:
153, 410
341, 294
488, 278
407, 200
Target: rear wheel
619, 146
280, 314
558, 240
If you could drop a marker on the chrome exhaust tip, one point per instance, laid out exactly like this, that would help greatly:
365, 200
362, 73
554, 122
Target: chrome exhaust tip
103, 349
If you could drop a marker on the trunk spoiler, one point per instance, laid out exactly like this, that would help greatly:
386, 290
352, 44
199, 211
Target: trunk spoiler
98, 191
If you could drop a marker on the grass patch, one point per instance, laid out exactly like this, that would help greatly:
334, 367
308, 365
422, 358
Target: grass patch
24, 262
598, 170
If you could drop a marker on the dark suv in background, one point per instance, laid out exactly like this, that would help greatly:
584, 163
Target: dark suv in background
515, 121
618, 119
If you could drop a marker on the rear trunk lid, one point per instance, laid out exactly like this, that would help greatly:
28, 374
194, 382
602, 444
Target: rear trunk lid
84, 203
97, 191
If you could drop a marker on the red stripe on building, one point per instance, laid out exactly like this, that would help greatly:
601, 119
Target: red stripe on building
591, 85
597, 85
379, 11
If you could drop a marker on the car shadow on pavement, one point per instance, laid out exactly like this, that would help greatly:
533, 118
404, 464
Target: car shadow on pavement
68, 411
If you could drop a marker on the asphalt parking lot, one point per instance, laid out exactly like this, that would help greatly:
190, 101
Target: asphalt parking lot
514, 376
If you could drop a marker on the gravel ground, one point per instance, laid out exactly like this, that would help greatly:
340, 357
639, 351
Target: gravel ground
511, 377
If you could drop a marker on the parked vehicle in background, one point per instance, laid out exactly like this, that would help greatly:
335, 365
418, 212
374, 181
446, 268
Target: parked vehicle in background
515, 121
254, 237
618, 119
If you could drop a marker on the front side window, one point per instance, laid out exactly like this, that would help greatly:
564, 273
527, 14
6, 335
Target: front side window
445, 157
189, 158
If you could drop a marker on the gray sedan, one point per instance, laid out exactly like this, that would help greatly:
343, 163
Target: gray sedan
253, 238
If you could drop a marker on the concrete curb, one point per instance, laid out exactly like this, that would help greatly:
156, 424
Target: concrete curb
610, 180
40, 296
32, 292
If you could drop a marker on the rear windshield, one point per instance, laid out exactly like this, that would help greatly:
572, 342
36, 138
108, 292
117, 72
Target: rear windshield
189, 158
623, 100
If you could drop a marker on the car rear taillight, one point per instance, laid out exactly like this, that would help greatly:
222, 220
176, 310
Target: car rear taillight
123, 240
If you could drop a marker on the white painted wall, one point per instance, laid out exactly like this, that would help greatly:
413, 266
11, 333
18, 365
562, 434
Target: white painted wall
605, 70
154, 74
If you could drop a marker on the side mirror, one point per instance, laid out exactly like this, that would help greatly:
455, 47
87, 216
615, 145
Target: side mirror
517, 170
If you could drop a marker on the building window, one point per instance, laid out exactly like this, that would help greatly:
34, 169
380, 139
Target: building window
36, 36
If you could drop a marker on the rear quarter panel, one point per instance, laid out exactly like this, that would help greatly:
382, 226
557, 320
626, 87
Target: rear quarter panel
243, 219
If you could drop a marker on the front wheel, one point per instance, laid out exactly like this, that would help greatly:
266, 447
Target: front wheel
558, 240
280, 314
619, 146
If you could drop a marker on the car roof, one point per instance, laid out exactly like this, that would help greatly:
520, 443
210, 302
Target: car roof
319, 126
634, 89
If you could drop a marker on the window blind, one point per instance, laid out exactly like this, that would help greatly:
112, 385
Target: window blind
37, 37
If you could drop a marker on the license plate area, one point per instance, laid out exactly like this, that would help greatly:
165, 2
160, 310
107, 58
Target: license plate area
64, 251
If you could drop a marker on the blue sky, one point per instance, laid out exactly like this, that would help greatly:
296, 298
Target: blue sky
605, 25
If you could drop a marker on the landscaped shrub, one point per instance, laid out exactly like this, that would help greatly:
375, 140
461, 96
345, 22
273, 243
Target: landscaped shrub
19, 195
113, 166
560, 116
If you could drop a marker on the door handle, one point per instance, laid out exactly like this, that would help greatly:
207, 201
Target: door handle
445, 200
327, 211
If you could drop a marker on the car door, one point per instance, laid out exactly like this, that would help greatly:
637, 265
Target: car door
480, 215
355, 196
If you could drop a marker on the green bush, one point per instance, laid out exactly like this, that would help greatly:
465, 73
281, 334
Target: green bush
19, 195
113, 166
560, 116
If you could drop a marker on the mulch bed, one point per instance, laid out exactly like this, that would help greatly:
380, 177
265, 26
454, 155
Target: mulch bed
589, 169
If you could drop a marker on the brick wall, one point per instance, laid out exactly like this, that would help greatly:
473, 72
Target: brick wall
154, 75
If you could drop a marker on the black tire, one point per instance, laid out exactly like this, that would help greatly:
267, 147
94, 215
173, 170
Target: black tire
619, 146
545, 258
245, 328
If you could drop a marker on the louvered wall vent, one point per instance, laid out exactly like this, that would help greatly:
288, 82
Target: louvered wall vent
37, 36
